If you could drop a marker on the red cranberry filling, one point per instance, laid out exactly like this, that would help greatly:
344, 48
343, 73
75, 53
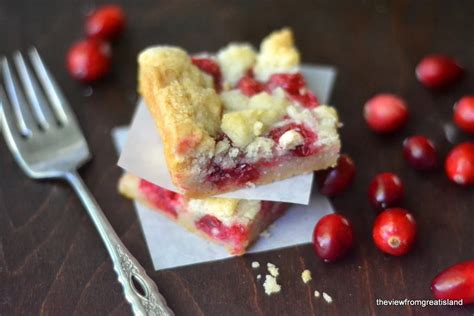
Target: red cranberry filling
163, 199
250, 86
214, 228
295, 86
210, 67
241, 174
307, 148
291, 83
306, 99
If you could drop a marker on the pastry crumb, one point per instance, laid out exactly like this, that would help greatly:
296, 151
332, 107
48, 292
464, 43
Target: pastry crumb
265, 234
270, 285
259, 276
255, 264
316, 293
272, 269
306, 276
327, 298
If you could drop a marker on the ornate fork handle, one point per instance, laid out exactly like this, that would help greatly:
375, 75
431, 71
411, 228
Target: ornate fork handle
149, 301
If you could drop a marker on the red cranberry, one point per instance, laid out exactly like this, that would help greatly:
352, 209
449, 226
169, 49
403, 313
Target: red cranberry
210, 67
385, 190
455, 283
89, 60
394, 231
107, 22
460, 164
385, 113
464, 114
436, 71
335, 180
250, 86
332, 237
420, 152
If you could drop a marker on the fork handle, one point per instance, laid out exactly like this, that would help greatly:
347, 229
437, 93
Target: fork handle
129, 271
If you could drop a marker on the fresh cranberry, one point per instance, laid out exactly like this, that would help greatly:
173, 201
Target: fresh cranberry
241, 174
436, 71
335, 180
210, 67
385, 113
295, 86
107, 22
163, 199
332, 237
250, 86
307, 148
420, 152
464, 114
385, 190
89, 60
394, 231
455, 283
460, 164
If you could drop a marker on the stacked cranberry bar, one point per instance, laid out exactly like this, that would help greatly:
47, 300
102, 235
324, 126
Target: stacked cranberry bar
231, 120
233, 223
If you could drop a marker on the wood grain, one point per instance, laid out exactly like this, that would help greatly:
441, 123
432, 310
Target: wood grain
52, 261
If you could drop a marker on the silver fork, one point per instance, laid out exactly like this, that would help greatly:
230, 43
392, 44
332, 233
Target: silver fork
46, 141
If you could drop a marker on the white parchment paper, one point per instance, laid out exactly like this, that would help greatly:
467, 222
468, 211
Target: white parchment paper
143, 154
171, 246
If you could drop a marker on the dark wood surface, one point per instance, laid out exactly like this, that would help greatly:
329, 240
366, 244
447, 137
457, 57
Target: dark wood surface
52, 261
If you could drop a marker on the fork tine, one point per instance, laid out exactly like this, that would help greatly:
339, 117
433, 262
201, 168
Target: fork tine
57, 100
25, 122
33, 92
8, 121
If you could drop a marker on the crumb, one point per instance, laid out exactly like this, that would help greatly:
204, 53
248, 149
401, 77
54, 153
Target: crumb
259, 276
255, 264
265, 234
272, 269
316, 293
270, 285
327, 298
272, 226
306, 276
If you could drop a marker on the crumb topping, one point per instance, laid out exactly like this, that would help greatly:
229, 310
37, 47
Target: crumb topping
235, 60
290, 139
228, 211
277, 54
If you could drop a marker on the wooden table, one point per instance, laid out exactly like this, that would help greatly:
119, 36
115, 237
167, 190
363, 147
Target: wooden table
52, 261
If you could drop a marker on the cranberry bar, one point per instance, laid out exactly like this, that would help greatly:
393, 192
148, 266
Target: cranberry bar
237, 118
233, 223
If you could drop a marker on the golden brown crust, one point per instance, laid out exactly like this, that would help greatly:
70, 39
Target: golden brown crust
183, 103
